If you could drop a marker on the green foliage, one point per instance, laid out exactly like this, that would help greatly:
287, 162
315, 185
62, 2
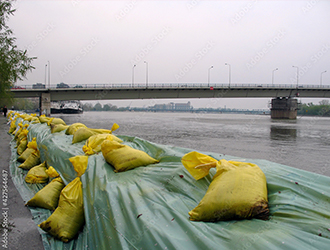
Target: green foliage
23, 103
97, 107
310, 109
87, 106
14, 63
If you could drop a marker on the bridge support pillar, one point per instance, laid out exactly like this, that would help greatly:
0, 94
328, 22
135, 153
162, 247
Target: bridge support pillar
284, 108
45, 104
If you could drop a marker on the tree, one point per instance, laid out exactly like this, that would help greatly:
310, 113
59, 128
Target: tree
14, 63
107, 107
324, 102
97, 107
87, 106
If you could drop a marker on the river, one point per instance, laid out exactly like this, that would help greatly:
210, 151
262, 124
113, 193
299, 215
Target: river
303, 143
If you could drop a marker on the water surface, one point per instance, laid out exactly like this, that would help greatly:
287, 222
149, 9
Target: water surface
303, 143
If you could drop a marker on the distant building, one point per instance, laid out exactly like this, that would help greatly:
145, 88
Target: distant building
183, 106
172, 107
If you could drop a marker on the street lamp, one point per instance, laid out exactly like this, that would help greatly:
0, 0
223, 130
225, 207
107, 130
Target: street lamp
297, 73
45, 74
48, 75
273, 75
229, 73
133, 75
146, 73
208, 76
321, 77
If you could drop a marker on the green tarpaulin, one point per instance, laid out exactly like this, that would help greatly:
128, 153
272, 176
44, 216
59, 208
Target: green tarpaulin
147, 207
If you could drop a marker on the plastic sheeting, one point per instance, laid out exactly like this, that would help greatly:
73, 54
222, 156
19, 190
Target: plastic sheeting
148, 207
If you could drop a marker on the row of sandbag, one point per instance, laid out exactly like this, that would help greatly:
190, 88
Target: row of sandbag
238, 189
68, 217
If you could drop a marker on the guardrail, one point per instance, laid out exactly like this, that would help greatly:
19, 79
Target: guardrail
175, 86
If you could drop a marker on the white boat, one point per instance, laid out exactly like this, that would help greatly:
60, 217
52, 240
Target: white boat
72, 107
55, 107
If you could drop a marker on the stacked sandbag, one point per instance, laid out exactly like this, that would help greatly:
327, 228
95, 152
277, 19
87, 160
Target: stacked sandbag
74, 127
22, 141
31, 161
48, 196
19, 129
55, 128
238, 189
93, 143
30, 157
68, 217
37, 174
13, 126
54, 121
44, 119
82, 133
31, 147
123, 157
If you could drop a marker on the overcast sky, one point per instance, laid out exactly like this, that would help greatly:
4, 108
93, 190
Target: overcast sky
89, 42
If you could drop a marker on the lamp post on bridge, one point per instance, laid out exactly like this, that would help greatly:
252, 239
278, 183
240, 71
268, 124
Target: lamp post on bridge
297, 73
273, 75
45, 74
208, 76
229, 73
48, 75
321, 77
146, 73
133, 75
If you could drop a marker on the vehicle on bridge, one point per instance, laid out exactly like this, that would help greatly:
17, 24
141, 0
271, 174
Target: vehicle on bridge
17, 87
62, 85
38, 86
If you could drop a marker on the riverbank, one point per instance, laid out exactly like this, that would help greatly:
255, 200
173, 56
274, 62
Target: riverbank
18, 230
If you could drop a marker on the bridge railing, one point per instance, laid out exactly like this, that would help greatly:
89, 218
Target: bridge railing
174, 86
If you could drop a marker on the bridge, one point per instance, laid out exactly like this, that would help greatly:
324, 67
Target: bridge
281, 107
170, 91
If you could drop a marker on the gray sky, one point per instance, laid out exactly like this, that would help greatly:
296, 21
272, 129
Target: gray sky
90, 42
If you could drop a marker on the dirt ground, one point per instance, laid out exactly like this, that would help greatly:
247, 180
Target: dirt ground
17, 229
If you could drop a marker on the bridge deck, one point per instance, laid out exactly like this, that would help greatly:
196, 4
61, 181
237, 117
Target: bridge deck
166, 90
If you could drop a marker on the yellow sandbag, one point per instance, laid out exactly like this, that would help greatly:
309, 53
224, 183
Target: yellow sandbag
48, 196
55, 128
31, 147
52, 173
22, 146
28, 118
18, 130
37, 174
74, 127
123, 157
68, 217
31, 161
93, 144
55, 121
22, 135
33, 143
35, 120
12, 127
238, 189
44, 119
84, 133
27, 152
115, 126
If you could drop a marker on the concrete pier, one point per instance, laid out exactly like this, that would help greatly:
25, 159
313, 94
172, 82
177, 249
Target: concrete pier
45, 104
284, 108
